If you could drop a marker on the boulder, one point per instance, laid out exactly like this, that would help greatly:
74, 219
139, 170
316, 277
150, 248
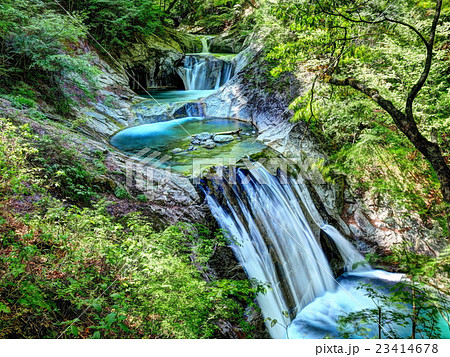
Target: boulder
203, 136
223, 138
177, 151
209, 144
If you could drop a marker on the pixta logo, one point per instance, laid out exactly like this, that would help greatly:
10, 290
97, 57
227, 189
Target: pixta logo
143, 171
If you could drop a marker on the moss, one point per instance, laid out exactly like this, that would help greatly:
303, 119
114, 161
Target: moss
173, 40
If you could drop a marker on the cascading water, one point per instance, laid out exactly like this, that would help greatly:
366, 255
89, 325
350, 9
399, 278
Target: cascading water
349, 254
274, 242
202, 71
268, 219
205, 43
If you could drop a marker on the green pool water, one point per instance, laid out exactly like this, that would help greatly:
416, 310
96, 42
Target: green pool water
162, 138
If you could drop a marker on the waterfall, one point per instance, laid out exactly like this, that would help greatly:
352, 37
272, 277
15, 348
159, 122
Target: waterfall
205, 43
204, 72
350, 255
274, 242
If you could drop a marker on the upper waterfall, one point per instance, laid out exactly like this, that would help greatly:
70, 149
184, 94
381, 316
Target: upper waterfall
202, 72
205, 43
205, 70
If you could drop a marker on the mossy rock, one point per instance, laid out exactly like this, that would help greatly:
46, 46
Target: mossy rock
174, 40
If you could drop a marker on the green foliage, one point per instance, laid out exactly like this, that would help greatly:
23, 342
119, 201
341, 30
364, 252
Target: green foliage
213, 16
131, 283
38, 55
116, 23
121, 192
65, 170
362, 139
14, 149
81, 273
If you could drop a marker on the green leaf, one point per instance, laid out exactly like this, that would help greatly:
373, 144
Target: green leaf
111, 318
124, 327
74, 330
5, 309
273, 323
97, 306
96, 335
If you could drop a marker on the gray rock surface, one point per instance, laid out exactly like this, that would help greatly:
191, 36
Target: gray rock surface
223, 138
203, 136
209, 144
152, 62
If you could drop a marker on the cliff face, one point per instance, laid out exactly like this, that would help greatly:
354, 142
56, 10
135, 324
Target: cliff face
151, 62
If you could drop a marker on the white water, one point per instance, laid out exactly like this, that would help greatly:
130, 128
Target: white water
274, 244
350, 255
318, 319
205, 44
204, 72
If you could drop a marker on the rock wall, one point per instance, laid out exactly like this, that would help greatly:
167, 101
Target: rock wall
151, 62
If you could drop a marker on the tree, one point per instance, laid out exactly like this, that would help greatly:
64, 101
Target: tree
339, 38
38, 52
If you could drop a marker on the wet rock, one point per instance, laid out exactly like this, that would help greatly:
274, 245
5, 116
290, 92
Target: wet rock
209, 144
177, 151
223, 138
195, 141
152, 61
192, 148
203, 136
364, 223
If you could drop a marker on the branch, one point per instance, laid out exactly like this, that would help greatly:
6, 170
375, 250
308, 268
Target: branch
370, 92
410, 27
426, 70
340, 14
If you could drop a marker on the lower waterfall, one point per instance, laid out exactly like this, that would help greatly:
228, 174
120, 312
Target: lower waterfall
274, 242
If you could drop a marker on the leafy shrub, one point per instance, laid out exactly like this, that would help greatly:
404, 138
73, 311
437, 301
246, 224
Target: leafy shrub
39, 52
66, 171
124, 278
14, 150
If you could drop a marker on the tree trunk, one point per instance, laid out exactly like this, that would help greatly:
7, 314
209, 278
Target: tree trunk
432, 153
406, 124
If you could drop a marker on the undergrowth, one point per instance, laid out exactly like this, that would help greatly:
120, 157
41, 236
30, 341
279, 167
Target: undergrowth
75, 271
